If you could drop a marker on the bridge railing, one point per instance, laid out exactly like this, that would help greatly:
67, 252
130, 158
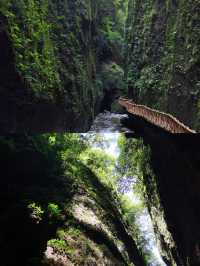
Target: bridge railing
161, 119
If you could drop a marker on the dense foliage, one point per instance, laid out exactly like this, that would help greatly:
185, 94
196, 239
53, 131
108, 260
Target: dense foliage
60, 54
135, 162
47, 36
73, 57
66, 200
162, 56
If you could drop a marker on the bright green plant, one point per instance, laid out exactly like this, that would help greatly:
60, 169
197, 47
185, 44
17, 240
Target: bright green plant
34, 48
53, 210
60, 245
36, 211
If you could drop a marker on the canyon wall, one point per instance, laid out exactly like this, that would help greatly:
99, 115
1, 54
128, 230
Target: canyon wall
169, 168
55, 210
162, 56
51, 57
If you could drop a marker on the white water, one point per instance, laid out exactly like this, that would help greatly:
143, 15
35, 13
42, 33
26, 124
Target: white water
108, 126
107, 123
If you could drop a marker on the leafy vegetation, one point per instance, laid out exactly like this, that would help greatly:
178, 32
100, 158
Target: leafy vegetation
59, 46
61, 246
113, 24
112, 76
31, 34
65, 56
135, 161
162, 56
36, 211
72, 190
54, 211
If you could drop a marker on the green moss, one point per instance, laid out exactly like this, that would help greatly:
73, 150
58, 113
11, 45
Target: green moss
34, 48
163, 55
54, 50
62, 246
59, 49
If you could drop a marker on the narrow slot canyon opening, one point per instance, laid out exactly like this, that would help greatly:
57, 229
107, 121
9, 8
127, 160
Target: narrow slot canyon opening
78, 203
124, 179
125, 192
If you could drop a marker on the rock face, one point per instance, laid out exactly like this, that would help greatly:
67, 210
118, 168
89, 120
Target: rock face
162, 60
171, 177
50, 56
162, 71
57, 213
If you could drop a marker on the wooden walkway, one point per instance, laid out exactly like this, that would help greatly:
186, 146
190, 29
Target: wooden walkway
160, 119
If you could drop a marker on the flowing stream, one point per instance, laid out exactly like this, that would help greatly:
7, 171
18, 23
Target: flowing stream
108, 126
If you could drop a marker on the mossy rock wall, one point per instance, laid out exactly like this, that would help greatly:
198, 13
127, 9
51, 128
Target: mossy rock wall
58, 213
162, 56
49, 60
